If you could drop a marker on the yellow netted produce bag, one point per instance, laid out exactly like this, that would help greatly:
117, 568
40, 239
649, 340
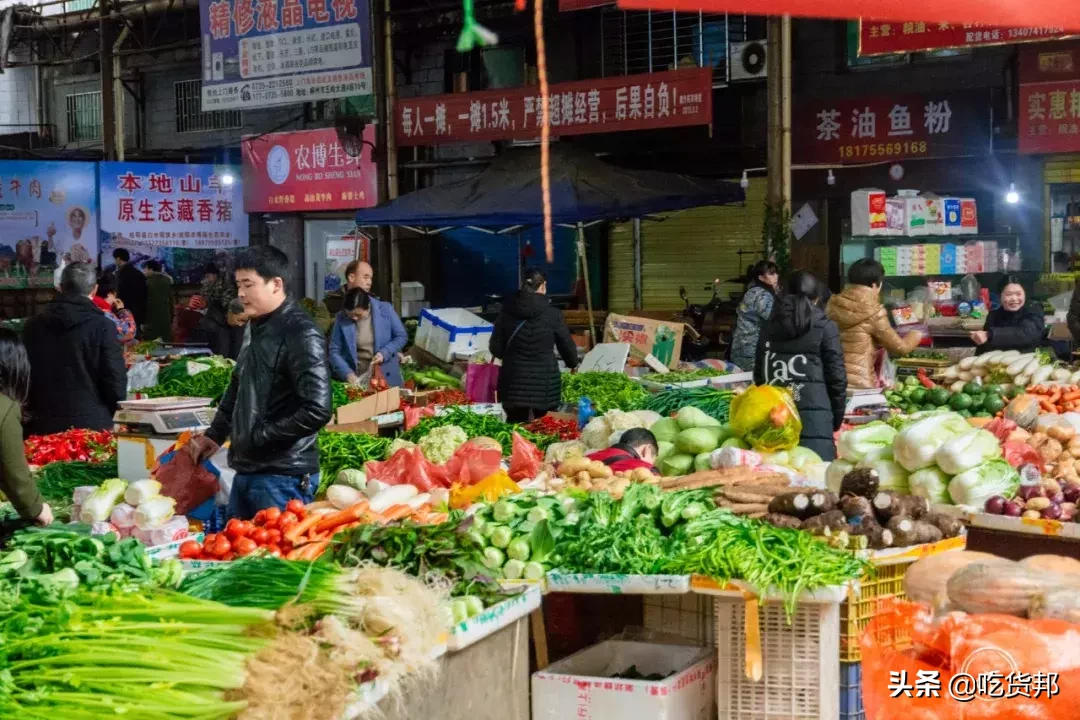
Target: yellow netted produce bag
766, 418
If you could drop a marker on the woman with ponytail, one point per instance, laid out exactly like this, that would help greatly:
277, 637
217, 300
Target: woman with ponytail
799, 348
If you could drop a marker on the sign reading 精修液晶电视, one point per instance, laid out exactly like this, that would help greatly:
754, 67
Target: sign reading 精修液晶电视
258, 53
857, 130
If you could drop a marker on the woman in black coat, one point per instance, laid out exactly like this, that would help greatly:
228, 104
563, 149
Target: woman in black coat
799, 348
1013, 326
527, 332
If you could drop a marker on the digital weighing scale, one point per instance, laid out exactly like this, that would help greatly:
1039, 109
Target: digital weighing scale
151, 427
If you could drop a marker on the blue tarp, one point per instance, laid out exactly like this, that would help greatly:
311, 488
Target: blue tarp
583, 189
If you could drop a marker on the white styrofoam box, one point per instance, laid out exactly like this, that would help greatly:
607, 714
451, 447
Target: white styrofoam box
494, 618
412, 291
413, 308
172, 549
447, 331
618, 584
800, 662
581, 685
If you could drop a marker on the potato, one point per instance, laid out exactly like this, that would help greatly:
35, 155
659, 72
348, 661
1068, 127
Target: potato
599, 470
1062, 433
1050, 450
573, 466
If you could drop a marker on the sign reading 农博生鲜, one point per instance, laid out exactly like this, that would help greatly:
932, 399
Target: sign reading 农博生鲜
614, 104
884, 38
258, 53
1049, 99
47, 209
861, 130
157, 205
308, 170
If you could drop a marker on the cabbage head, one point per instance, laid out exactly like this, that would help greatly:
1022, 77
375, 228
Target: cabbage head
917, 444
931, 483
857, 442
975, 486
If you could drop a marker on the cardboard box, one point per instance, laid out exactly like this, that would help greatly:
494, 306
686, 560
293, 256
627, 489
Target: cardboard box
582, 684
662, 339
364, 427
380, 403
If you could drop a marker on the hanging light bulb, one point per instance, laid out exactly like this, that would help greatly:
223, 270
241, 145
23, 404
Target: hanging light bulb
745, 182
831, 179
1012, 197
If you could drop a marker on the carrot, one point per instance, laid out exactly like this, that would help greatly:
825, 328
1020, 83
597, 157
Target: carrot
295, 553
1072, 395
299, 529
343, 517
396, 512
1047, 406
314, 550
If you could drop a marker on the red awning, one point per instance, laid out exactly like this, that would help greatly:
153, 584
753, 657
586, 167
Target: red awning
1001, 13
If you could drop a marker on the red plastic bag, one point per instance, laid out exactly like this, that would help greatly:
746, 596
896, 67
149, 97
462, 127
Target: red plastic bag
525, 459
409, 466
1018, 454
413, 415
471, 463
1001, 428
1034, 654
390, 471
190, 485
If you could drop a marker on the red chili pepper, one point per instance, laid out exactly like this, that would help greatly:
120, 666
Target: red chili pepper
924, 379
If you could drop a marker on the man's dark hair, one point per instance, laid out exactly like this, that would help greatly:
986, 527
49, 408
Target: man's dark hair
356, 299
78, 279
14, 367
763, 267
534, 279
121, 254
210, 269
639, 436
106, 285
153, 265
235, 307
265, 261
866, 271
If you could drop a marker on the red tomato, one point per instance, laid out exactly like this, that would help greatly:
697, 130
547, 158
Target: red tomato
228, 556
190, 549
261, 536
220, 547
260, 518
245, 546
208, 541
274, 551
272, 514
296, 507
286, 547
236, 529
273, 536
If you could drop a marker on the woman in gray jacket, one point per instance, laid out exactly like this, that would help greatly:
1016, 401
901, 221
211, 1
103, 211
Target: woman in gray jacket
753, 312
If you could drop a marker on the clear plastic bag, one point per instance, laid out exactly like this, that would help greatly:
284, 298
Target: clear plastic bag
142, 375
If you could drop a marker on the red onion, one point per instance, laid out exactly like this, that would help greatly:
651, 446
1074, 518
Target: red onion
1057, 498
1013, 509
1053, 512
1071, 492
995, 505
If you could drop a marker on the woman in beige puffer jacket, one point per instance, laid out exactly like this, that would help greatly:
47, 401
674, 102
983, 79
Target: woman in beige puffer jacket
864, 324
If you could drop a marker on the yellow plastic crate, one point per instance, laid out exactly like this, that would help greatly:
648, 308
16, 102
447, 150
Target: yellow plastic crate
882, 585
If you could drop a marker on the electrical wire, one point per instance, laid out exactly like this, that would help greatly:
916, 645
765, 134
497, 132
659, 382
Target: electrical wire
545, 129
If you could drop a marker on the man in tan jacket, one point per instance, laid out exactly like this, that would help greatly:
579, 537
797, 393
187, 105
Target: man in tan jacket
864, 324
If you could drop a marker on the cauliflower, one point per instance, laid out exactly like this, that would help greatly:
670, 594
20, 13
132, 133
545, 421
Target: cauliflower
396, 445
563, 451
618, 420
647, 417
439, 444
615, 437
595, 434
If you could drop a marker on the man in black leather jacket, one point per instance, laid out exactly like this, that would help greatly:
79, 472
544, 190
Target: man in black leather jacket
279, 396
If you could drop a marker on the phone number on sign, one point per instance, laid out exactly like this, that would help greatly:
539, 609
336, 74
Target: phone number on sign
893, 149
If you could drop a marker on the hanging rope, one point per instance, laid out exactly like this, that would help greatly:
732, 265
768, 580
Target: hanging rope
545, 130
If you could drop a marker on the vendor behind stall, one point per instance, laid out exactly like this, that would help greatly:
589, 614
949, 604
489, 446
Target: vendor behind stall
1015, 325
637, 448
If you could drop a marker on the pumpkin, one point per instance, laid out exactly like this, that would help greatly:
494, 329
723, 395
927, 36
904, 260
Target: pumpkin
1023, 410
1061, 603
925, 580
1065, 569
999, 586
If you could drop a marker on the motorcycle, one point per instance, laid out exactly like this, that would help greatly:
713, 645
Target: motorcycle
695, 344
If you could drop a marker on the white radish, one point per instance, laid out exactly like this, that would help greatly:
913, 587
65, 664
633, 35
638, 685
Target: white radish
1018, 365
1074, 378
374, 487
1033, 366
984, 360
1022, 380
1009, 356
952, 372
1007, 387
967, 363
1041, 375
419, 501
957, 386
1060, 374
393, 495
979, 372
966, 376
343, 496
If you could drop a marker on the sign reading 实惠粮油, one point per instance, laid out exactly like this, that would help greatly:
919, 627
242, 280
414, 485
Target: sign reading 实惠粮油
308, 170
1049, 99
47, 209
258, 53
613, 104
884, 128
885, 38
145, 206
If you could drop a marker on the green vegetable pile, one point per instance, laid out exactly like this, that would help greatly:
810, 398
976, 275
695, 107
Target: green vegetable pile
974, 400
430, 378
477, 425
607, 390
339, 450
712, 401
681, 377
175, 380
57, 481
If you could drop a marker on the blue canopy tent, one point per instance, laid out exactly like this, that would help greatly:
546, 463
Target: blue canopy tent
506, 197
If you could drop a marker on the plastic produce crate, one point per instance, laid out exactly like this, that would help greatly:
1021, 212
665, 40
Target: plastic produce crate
851, 707
876, 589
799, 666
451, 331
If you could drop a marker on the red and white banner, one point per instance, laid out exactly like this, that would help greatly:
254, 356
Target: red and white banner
1049, 99
614, 104
307, 170
999, 13
885, 38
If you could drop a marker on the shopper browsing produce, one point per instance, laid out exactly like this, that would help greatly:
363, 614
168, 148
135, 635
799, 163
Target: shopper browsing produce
366, 332
864, 324
222, 330
79, 374
16, 484
159, 304
753, 313
130, 285
1013, 326
279, 395
106, 301
637, 448
526, 331
799, 348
